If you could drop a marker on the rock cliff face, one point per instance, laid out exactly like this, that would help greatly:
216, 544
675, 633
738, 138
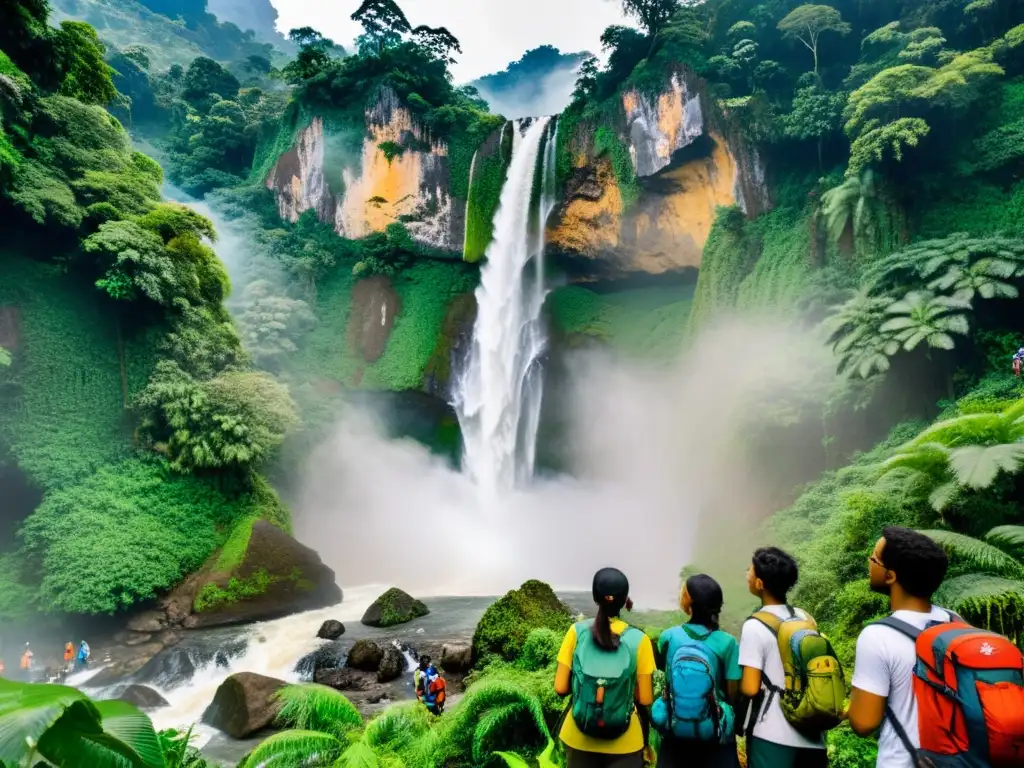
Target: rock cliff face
685, 168
401, 172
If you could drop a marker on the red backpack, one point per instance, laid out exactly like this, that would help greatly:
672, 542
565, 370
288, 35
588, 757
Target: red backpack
969, 686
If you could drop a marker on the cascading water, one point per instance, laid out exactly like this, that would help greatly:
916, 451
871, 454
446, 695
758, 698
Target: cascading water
499, 396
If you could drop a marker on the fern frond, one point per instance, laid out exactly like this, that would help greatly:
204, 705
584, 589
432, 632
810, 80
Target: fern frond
306, 748
316, 707
359, 755
976, 466
494, 727
1009, 538
979, 554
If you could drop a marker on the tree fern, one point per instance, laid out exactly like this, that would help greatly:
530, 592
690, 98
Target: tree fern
313, 707
977, 554
1009, 538
292, 748
976, 466
992, 602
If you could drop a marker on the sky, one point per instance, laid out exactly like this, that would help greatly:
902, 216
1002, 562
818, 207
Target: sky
492, 32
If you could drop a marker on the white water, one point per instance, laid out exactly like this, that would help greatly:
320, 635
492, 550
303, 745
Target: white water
274, 649
499, 395
469, 196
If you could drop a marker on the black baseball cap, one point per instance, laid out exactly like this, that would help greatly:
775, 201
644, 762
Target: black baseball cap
610, 586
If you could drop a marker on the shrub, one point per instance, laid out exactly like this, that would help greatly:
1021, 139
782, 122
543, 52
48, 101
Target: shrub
540, 650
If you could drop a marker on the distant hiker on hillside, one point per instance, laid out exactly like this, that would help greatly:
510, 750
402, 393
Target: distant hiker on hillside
82, 660
69, 655
608, 668
1018, 360
786, 724
702, 682
916, 710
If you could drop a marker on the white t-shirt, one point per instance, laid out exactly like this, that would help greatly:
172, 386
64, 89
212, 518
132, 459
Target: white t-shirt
759, 649
884, 666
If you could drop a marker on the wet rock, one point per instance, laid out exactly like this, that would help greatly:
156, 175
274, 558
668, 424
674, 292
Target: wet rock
456, 657
291, 578
143, 697
244, 704
393, 607
342, 679
391, 666
137, 638
365, 655
169, 669
377, 698
148, 621
331, 630
327, 656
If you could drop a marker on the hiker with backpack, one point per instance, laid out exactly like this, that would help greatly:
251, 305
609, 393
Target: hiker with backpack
790, 672
702, 679
607, 669
943, 692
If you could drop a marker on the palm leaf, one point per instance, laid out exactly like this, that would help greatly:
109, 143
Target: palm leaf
307, 748
976, 466
133, 727
1009, 538
78, 739
27, 712
981, 555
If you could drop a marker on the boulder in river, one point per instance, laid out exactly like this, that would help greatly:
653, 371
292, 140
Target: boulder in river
143, 697
391, 666
393, 607
365, 655
331, 630
244, 704
456, 657
342, 679
271, 577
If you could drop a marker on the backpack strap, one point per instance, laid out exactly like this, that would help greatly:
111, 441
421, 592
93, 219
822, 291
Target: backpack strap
900, 732
900, 626
695, 635
769, 619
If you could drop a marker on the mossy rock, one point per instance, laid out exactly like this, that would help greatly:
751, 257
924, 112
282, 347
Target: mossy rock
393, 607
262, 573
505, 625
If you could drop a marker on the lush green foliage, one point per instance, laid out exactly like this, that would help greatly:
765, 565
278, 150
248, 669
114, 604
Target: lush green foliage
504, 627
65, 728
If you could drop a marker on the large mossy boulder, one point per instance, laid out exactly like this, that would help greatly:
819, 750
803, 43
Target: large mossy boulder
261, 573
505, 625
244, 704
392, 608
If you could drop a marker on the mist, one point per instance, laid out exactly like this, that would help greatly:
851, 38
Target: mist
657, 464
547, 95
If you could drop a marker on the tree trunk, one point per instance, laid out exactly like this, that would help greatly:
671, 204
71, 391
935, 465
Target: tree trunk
821, 162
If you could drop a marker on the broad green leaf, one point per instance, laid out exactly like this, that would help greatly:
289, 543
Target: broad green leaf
77, 739
513, 760
27, 711
133, 727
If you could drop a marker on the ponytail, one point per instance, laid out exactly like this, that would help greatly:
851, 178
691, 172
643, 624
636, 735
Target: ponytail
601, 629
706, 600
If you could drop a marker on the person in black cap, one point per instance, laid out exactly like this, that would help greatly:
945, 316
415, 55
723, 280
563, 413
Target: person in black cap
608, 668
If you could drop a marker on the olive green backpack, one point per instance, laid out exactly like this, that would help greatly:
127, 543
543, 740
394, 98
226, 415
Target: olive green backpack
814, 690
604, 683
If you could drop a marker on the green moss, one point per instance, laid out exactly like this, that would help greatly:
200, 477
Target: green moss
211, 596
505, 625
484, 197
233, 551
63, 412
642, 322
608, 143
425, 290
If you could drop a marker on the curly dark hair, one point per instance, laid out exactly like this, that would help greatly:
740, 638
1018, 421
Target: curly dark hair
777, 570
919, 563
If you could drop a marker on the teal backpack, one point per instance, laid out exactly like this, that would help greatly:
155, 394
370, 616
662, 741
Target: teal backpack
604, 683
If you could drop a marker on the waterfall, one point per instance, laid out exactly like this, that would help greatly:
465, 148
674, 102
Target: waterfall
499, 395
469, 198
